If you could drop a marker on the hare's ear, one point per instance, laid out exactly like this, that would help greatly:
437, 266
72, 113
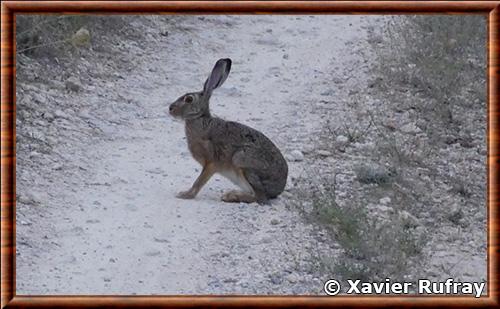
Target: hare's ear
218, 76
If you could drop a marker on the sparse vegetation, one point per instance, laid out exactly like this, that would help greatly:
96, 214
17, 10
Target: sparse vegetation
426, 100
56, 36
441, 60
373, 173
374, 247
397, 174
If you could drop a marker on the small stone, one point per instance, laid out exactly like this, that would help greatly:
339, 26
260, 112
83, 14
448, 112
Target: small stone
455, 214
57, 167
267, 240
31, 198
73, 84
285, 56
338, 80
81, 37
324, 153
384, 208
275, 278
59, 113
275, 222
297, 155
35, 154
292, 278
327, 93
40, 98
342, 139
385, 200
373, 173
49, 116
230, 280
153, 253
410, 128
408, 218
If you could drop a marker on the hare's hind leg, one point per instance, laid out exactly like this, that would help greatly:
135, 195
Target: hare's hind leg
248, 195
238, 197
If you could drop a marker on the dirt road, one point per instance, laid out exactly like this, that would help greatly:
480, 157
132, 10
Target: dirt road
124, 232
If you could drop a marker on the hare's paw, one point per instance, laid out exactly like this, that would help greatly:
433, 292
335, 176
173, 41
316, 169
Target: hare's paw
238, 197
187, 195
230, 197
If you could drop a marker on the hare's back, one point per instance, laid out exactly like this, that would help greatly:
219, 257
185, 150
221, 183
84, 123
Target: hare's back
256, 154
251, 145
236, 135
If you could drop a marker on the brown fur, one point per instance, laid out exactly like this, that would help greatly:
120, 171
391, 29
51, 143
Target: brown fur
240, 153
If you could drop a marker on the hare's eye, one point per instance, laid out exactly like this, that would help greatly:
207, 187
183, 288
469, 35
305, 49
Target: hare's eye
188, 99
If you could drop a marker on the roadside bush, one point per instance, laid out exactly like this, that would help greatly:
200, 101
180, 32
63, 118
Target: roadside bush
426, 98
52, 35
374, 247
443, 58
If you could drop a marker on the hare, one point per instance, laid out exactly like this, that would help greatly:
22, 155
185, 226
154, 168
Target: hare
242, 154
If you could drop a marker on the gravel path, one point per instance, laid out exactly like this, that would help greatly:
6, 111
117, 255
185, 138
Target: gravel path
122, 231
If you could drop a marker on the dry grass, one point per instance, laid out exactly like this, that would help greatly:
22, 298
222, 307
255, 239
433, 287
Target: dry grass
429, 83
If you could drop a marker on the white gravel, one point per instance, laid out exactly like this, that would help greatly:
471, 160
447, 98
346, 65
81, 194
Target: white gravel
121, 230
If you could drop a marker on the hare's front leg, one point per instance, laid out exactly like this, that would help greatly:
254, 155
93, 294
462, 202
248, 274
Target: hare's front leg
206, 173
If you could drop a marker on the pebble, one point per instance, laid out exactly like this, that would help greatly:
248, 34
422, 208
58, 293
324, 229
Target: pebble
57, 166
384, 208
153, 253
35, 154
81, 37
267, 240
409, 128
49, 116
275, 221
342, 139
385, 200
324, 153
338, 80
73, 84
408, 218
297, 155
292, 278
59, 113
275, 279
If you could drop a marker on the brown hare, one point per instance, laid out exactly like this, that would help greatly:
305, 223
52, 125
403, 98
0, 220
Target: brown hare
242, 154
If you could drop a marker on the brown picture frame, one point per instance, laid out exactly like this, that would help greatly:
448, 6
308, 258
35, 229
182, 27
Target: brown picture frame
9, 9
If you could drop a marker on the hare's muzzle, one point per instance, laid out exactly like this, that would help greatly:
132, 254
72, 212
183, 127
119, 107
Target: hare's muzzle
173, 109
